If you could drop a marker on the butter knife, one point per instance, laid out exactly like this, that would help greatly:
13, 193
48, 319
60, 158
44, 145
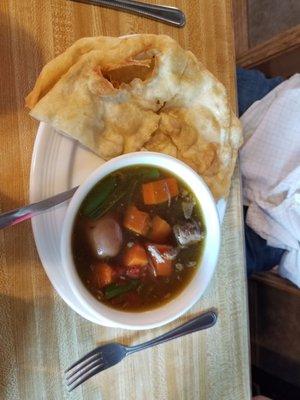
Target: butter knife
170, 15
13, 217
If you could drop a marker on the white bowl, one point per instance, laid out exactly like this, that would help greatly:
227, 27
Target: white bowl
192, 292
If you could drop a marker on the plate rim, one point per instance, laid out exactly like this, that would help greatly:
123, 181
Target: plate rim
36, 221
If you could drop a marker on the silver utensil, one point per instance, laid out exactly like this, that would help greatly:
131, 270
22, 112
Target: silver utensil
106, 356
170, 15
22, 214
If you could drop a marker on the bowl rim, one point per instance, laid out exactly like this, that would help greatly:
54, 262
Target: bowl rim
99, 310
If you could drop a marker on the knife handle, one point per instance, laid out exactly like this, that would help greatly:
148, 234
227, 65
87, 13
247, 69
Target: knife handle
13, 217
21, 214
170, 15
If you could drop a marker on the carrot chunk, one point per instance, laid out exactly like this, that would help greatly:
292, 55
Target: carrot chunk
162, 265
137, 221
148, 193
173, 186
164, 269
159, 191
103, 274
160, 230
135, 256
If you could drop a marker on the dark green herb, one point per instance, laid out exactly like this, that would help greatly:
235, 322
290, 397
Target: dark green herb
149, 173
104, 204
97, 196
107, 193
108, 205
133, 185
115, 290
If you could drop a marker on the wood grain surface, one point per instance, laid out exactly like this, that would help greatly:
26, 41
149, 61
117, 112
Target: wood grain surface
240, 20
39, 334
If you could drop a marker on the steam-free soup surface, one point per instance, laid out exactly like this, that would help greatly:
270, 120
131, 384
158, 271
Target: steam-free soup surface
138, 238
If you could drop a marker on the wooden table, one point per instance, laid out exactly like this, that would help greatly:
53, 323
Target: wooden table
39, 334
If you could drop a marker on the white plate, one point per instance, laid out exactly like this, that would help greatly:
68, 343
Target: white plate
58, 164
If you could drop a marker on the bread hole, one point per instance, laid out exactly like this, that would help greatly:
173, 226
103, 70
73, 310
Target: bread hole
127, 73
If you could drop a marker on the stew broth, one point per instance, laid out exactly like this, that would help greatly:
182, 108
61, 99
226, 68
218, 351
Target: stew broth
138, 238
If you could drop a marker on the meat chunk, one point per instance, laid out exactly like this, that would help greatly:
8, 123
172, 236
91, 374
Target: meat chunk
187, 233
161, 258
187, 208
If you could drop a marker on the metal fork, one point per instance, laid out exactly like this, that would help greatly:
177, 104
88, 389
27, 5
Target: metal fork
106, 356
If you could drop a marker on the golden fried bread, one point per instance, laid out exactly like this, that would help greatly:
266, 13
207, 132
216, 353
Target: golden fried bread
141, 92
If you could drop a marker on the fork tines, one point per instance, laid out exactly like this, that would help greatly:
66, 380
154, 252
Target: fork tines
85, 368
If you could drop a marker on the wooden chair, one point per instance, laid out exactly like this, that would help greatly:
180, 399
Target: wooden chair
274, 309
279, 55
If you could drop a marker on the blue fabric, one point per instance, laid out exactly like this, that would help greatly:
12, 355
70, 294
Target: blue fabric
259, 256
252, 85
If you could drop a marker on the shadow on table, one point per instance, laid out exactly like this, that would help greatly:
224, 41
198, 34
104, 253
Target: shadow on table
17, 240
27, 347
12, 322
7, 204
14, 315
20, 250
18, 75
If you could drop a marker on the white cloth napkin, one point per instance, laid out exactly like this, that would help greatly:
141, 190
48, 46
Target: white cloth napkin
270, 165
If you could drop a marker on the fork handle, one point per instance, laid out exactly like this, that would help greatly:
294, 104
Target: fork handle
170, 15
198, 323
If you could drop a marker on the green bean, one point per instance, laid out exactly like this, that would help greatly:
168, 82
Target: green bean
114, 290
98, 195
